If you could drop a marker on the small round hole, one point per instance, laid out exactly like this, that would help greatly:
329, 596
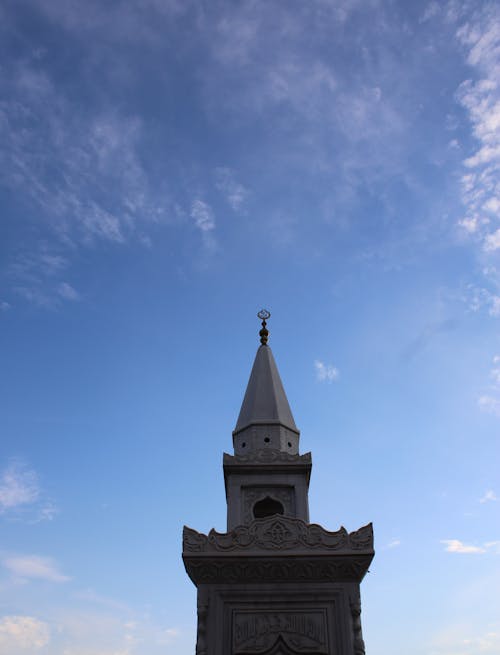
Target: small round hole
289, 445
243, 445
267, 440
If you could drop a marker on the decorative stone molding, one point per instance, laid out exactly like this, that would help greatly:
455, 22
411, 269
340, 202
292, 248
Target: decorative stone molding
343, 568
355, 606
201, 637
257, 631
278, 533
267, 456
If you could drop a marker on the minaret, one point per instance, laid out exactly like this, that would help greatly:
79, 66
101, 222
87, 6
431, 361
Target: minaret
266, 476
274, 584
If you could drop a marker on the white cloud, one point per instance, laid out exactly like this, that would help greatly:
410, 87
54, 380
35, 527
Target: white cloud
172, 632
22, 634
79, 171
394, 543
490, 401
478, 298
18, 486
456, 546
234, 192
325, 372
204, 220
489, 495
492, 241
21, 496
489, 404
28, 567
67, 292
463, 639
115, 630
480, 97
433, 9
487, 643
494, 309
96, 651
4, 306
203, 216
470, 224
168, 636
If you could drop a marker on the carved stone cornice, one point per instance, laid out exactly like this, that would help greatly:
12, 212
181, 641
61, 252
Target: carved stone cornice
277, 548
267, 456
234, 570
278, 533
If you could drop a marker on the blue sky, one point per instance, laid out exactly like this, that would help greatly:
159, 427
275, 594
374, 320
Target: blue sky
168, 168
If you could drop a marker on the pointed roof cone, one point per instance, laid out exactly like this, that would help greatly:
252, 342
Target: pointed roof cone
265, 401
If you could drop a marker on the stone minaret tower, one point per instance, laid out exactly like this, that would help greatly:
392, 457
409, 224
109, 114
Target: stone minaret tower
274, 584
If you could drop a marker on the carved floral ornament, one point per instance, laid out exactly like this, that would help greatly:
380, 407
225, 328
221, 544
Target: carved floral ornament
267, 456
304, 632
333, 568
279, 533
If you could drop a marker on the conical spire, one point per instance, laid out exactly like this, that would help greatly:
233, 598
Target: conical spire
265, 401
265, 419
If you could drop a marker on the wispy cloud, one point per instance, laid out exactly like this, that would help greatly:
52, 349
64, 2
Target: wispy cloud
479, 35
168, 636
490, 401
325, 372
67, 292
393, 544
62, 159
203, 216
463, 639
91, 596
18, 486
481, 298
489, 404
113, 632
25, 633
21, 496
80, 172
204, 220
456, 546
234, 192
489, 496
29, 567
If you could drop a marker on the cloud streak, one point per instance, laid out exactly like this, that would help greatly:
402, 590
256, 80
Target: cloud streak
457, 546
234, 193
489, 496
204, 220
490, 401
34, 567
21, 496
18, 487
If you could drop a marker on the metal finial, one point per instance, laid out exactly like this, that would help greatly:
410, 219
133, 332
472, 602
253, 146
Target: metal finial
264, 333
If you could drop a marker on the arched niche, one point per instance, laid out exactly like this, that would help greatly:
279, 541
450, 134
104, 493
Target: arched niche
267, 507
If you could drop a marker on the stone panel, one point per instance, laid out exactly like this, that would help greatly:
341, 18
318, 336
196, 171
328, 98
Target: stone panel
291, 619
257, 631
